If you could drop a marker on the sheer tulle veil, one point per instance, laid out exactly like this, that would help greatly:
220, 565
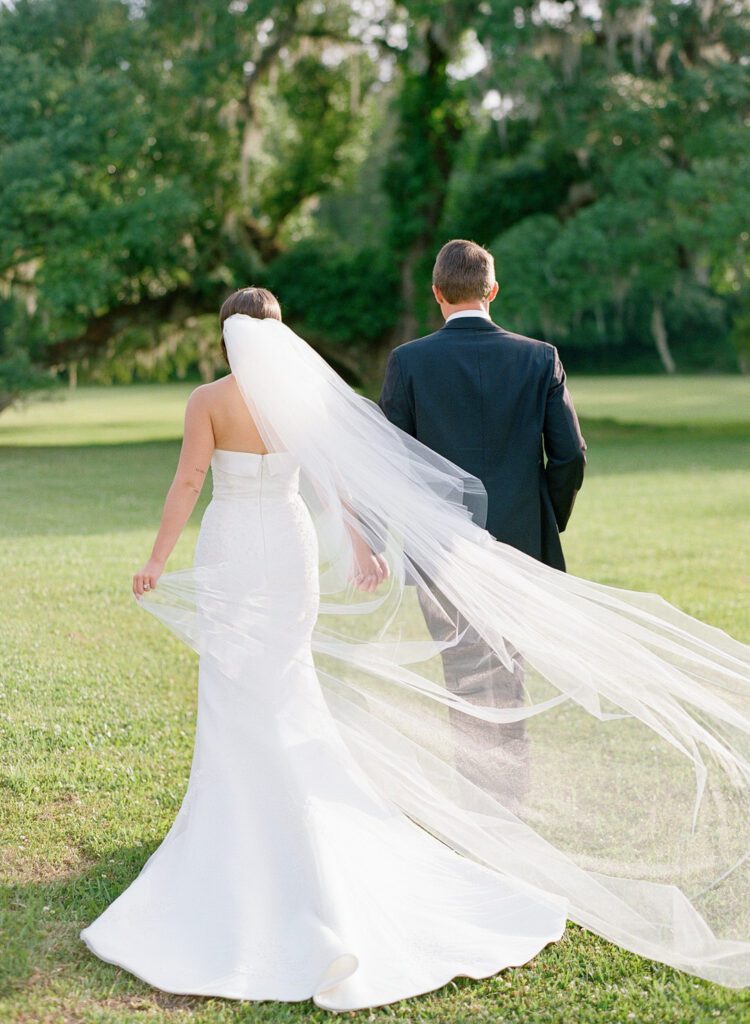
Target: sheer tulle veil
617, 777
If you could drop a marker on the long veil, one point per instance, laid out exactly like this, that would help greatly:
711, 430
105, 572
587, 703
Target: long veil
590, 741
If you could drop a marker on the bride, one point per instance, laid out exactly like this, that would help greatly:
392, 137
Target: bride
347, 834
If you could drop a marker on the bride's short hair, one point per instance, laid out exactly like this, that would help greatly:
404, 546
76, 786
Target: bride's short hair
258, 302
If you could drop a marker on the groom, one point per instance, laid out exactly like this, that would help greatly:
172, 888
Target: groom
496, 404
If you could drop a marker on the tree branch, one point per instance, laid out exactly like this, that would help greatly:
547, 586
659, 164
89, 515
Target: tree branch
175, 306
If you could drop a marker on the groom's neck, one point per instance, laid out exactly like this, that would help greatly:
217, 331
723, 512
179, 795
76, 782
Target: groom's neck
448, 310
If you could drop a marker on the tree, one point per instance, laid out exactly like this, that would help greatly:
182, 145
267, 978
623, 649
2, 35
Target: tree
131, 193
652, 101
154, 156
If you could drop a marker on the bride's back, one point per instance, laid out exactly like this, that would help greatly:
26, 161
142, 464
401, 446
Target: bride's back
234, 429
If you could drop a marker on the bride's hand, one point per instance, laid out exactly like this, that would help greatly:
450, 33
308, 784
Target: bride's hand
147, 577
369, 569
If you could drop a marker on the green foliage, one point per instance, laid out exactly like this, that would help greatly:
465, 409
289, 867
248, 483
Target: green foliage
498, 190
19, 373
121, 156
342, 295
654, 211
158, 353
312, 123
92, 177
739, 335
415, 178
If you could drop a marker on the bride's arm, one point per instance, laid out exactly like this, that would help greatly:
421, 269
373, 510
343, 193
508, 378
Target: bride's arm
195, 455
368, 569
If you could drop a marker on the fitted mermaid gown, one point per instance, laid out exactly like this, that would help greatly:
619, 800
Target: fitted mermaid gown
286, 874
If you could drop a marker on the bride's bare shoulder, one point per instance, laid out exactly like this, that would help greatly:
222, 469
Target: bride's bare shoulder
215, 390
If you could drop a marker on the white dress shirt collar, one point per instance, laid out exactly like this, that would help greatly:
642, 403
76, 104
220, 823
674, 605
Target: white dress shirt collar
468, 312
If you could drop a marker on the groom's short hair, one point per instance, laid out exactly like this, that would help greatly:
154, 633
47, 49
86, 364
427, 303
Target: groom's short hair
463, 271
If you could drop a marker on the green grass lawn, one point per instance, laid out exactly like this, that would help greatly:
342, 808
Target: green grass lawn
97, 699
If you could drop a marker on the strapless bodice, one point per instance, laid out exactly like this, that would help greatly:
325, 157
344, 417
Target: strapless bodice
258, 530
250, 474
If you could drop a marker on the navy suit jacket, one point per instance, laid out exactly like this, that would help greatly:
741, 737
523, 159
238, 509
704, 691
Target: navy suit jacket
496, 404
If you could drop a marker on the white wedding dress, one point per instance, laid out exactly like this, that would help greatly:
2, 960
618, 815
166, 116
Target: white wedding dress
286, 874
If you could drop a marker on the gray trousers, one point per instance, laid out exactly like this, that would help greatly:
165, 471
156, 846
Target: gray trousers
493, 755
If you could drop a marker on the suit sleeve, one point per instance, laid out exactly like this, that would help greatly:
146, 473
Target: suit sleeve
564, 446
394, 402
394, 398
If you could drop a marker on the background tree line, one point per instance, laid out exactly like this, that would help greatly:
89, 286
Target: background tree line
154, 155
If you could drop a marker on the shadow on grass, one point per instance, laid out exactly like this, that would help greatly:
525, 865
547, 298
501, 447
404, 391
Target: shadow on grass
44, 919
582, 977
611, 429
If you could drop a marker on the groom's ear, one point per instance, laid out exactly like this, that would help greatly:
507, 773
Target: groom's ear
439, 297
493, 291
